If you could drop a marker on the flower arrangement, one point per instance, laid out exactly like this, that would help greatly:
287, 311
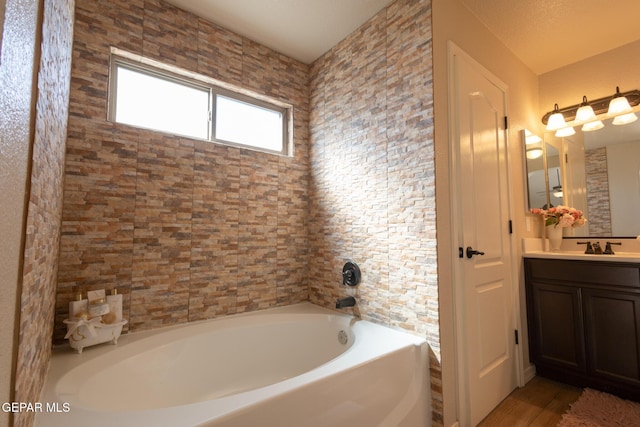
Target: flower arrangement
561, 216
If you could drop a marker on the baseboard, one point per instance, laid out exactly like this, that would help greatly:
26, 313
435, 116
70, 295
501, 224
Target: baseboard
529, 373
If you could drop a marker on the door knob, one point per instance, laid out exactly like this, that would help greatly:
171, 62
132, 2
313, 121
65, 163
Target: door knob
471, 252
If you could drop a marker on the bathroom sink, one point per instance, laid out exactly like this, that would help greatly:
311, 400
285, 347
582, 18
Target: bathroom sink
629, 251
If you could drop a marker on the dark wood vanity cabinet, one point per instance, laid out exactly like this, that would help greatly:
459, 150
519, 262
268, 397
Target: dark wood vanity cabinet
584, 323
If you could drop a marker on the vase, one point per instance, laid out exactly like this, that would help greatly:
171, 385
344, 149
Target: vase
554, 234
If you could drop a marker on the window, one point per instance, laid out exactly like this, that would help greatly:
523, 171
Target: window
248, 124
155, 102
151, 98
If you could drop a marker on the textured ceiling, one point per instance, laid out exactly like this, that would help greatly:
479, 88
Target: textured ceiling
549, 34
544, 34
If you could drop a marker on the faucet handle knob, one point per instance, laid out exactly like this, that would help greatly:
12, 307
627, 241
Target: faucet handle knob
608, 250
351, 274
589, 249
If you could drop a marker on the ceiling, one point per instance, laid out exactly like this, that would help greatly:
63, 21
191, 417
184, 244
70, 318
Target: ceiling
549, 34
544, 34
301, 29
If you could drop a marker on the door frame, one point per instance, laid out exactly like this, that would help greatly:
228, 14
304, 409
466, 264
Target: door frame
456, 236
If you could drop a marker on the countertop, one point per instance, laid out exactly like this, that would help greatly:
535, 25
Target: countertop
534, 248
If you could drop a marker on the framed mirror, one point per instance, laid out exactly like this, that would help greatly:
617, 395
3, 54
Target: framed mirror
535, 169
603, 178
544, 172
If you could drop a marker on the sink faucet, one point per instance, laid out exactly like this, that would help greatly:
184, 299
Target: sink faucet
597, 249
346, 302
608, 250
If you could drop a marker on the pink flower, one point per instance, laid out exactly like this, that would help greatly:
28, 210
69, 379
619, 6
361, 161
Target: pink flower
566, 220
561, 216
580, 222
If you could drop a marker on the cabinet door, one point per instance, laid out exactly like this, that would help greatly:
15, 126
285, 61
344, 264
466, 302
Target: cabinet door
612, 325
558, 328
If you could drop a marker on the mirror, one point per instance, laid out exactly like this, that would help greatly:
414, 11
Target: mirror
554, 177
534, 159
603, 178
544, 173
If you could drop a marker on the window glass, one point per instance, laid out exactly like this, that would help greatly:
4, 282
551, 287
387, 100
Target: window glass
248, 124
145, 100
182, 103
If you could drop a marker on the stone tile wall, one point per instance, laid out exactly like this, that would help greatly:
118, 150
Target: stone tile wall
598, 203
184, 229
188, 230
372, 185
45, 206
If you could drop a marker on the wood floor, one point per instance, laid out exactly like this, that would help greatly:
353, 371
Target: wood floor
540, 403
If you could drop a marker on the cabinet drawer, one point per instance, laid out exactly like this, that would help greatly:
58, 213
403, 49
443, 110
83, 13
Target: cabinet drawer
584, 272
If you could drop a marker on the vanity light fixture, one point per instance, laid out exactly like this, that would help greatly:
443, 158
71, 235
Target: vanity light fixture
625, 119
568, 131
585, 112
531, 138
532, 142
556, 119
534, 153
591, 126
620, 106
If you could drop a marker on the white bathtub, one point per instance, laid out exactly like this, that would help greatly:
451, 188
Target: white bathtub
279, 367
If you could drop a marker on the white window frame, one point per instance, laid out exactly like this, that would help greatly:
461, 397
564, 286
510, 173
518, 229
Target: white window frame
183, 77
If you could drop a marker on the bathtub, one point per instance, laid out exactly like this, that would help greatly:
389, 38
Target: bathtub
300, 365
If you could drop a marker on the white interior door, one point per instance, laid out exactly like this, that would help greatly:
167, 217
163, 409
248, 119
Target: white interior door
484, 282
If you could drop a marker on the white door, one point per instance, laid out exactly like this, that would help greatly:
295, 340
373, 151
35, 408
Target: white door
484, 281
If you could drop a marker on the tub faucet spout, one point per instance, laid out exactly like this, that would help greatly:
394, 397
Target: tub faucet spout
346, 302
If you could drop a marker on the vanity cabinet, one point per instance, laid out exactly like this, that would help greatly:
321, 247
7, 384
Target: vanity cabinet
584, 323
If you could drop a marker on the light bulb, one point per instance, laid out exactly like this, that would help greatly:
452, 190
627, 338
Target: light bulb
585, 112
534, 153
556, 121
568, 131
618, 105
625, 119
588, 127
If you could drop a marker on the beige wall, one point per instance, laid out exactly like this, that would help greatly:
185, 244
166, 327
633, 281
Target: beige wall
17, 80
594, 77
452, 21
